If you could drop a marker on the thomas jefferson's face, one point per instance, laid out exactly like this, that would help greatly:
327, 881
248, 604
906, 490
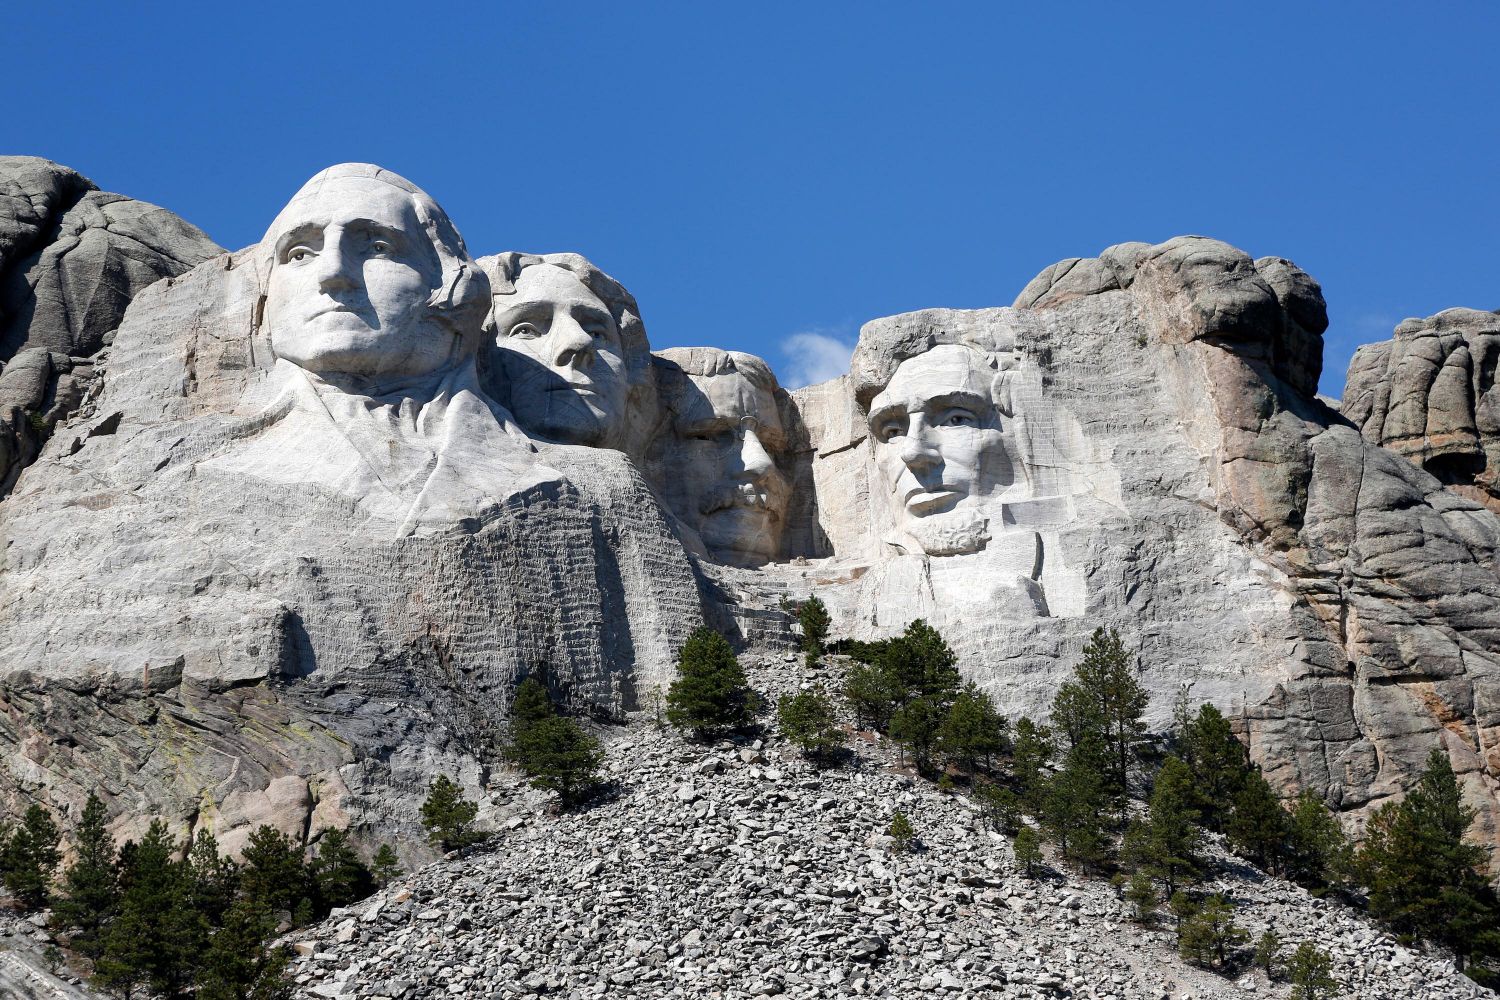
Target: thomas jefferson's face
348, 292
937, 438
726, 483
561, 354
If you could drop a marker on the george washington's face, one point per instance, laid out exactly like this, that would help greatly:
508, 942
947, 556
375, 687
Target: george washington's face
350, 284
560, 350
939, 447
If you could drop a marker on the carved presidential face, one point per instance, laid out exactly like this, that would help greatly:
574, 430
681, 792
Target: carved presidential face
350, 284
939, 448
559, 349
724, 478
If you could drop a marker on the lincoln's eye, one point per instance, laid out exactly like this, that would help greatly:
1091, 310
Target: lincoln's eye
891, 429
525, 331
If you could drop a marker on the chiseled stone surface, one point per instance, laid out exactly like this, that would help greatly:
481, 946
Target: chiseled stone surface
1429, 394
1183, 486
291, 561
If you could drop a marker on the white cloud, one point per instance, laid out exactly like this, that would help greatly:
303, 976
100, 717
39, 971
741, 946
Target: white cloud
814, 356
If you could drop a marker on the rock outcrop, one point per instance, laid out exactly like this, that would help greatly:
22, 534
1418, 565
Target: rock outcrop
1428, 394
72, 258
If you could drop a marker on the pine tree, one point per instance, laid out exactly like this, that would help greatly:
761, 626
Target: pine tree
870, 696
813, 617
339, 876
1002, 807
902, 832
448, 816
1140, 892
272, 874
974, 730
1209, 937
1318, 852
808, 722
1211, 751
915, 728
1101, 710
31, 858
558, 756
385, 867
213, 879
531, 704
1164, 845
710, 693
90, 887
1030, 756
1028, 848
158, 935
1425, 881
1257, 827
1268, 952
1311, 974
1073, 812
919, 663
237, 965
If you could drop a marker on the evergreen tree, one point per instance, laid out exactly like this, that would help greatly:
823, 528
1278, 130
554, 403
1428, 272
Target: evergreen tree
237, 964
1209, 937
213, 879
869, 696
531, 704
158, 936
338, 875
1257, 826
448, 816
1140, 892
31, 858
1318, 852
807, 720
1073, 812
974, 730
902, 832
1218, 759
1101, 710
1268, 952
1030, 756
710, 693
919, 663
1182, 907
385, 867
813, 617
1311, 974
1424, 880
1002, 807
1028, 848
915, 728
90, 889
273, 875
1164, 845
558, 756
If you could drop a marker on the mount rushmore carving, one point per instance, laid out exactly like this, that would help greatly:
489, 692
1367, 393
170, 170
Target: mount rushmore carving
335, 493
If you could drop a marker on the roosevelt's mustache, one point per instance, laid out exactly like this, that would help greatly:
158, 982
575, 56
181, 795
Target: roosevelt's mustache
768, 493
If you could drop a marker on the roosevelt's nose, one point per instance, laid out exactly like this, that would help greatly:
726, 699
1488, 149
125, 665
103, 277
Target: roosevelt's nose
755, 460
572, 346
337, 268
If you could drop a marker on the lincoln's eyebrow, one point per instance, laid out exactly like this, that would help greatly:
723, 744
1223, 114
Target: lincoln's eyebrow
959, 397
887, 412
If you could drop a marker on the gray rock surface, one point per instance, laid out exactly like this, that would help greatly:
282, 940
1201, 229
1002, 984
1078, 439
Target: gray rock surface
741, 871
1428, 394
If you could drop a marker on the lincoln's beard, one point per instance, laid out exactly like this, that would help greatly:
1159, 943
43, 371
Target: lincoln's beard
952, 533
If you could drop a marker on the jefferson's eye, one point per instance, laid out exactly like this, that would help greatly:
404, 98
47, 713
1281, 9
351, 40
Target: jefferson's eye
959, 418
526, 331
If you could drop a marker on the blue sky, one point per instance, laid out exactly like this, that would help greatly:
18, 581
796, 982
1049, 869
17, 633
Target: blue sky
755, 172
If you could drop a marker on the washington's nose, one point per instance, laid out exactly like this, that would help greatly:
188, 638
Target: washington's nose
572, 345
336, 267
754, 458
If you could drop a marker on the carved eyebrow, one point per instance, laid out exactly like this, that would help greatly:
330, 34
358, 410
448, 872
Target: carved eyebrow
297, 234
887, 412
594, 313
960, 397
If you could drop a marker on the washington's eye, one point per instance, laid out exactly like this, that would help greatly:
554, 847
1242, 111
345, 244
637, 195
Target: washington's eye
526, 331
299, 254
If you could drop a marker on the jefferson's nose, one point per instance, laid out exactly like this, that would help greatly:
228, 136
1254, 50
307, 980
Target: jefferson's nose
572, 345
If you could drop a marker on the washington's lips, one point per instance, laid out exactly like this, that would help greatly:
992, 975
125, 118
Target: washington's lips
924, 500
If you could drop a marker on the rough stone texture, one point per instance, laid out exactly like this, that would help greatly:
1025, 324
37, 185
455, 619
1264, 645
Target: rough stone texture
194, 632
71, 259
740, 871
1337, 602
1428, 394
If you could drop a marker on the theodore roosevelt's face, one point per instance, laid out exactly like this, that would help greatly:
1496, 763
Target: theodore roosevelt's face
937, 438
560, 350
350, 284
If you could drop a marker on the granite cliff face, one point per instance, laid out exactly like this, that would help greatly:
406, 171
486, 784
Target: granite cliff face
340, 490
